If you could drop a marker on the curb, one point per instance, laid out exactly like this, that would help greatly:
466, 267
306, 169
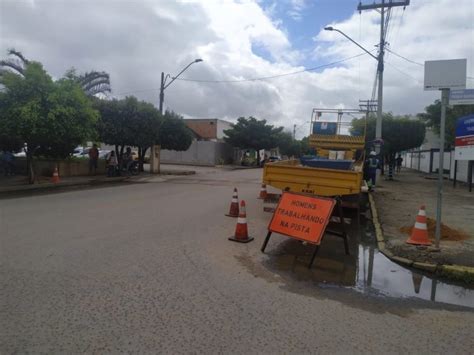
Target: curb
456, 272
48, 186
178, 172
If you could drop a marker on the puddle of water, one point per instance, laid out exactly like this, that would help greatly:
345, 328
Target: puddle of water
377, 273
365, 270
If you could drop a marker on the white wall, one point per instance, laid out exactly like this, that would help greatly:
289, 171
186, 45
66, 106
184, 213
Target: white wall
410, 160
446, 161
221, 126
462, 171
421, 161
199, 153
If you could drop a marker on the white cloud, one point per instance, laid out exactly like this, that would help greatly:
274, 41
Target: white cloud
296, 9
136, 41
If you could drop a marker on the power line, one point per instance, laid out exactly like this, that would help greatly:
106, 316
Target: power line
136, 91
408, 60
398, 27
250, 79
402, 72
274, 76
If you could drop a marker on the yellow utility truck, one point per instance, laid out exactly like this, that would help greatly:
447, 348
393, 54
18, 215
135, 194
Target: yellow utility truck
335, 169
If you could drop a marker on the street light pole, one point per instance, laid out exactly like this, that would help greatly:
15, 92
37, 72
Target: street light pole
155, 149
163, 85
379, 59
330, 28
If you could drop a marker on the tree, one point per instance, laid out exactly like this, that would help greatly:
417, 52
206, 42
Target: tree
130, 122
399, 133
92, 83
174, 134
432, 117
252, 133
51, 118
287, 145
305, 148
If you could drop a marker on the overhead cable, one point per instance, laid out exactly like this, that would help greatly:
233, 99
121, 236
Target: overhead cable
274, 76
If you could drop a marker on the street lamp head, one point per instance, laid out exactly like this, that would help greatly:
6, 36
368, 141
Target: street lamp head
198, 60
329, 28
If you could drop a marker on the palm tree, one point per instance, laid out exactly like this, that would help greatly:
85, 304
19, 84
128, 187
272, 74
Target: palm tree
16, 64
92, 83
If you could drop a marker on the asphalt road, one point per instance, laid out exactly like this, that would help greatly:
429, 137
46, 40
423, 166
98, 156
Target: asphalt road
147, 268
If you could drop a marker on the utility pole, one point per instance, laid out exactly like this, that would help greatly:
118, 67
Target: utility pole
367, 106
162, 91
294, 131
380, 67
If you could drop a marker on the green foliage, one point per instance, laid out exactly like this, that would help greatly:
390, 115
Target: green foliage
398, 133
287, 145
305, 148
128, 122
9, 143
174, 134
252, 133
92, 83
52, 118
432, 117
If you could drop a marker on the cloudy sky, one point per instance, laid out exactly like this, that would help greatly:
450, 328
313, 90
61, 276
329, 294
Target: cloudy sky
136, 40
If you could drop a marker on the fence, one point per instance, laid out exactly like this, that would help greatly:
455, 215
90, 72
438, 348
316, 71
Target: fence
205, 153
427, 161
45, 167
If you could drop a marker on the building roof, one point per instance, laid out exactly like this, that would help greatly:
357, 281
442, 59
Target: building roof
205, 128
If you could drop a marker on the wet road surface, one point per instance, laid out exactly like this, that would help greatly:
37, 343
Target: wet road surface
148, 268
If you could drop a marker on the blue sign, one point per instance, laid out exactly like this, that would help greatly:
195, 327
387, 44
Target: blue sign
465, 126
461, 97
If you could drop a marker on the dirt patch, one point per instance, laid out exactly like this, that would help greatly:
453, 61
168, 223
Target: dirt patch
447, 233
398, 204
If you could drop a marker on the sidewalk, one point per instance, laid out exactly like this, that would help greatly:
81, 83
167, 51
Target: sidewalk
20, 183
397, 203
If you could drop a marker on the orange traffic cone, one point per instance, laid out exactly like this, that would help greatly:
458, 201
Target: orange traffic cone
263, 192
234, 205
419, 233
241, 232
55, 177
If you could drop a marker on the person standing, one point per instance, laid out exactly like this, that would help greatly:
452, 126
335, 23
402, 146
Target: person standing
372, 165
127, 160
112, 164
93, 159
399, 161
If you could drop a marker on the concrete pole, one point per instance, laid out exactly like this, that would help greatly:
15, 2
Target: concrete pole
442, 128
162, 92
155, 149
378, 124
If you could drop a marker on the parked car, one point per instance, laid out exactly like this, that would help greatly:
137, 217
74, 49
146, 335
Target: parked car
81, 152
103, 153
21, 153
